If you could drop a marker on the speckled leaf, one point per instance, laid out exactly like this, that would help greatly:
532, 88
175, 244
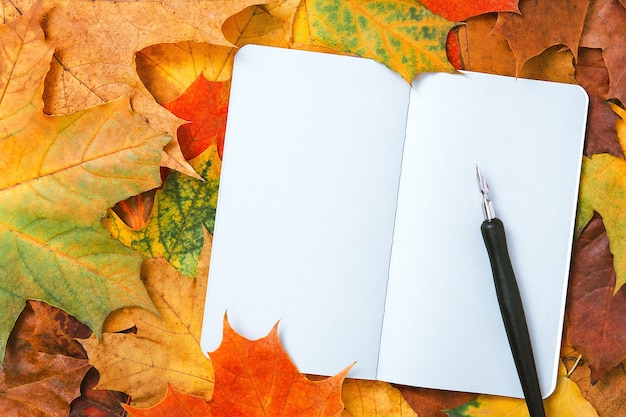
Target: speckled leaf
59, 176
402, 34
181, 210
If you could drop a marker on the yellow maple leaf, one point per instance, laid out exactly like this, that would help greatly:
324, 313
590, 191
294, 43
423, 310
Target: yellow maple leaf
168, 69
96, 43
163, 350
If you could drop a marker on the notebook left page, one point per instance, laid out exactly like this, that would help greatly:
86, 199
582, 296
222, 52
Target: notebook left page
306, 206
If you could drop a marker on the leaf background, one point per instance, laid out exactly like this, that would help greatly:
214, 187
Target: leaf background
154, 52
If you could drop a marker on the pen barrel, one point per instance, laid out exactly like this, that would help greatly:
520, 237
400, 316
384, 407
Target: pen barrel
513, 315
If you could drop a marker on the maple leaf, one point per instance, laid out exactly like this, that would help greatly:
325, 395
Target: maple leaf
40, 382
97, 403
96, 44
270, 24
168, 69
60, 175
542, 24
182, 209
567, 400
604, 29
205, 105
603, 190
162, 350
404, 35
596, 325
606, 395
185, 205
430, 402
363, 398
592, 75
483, 51
255, 378
460, 10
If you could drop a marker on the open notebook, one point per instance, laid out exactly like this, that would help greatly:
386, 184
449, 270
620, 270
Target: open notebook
348, 209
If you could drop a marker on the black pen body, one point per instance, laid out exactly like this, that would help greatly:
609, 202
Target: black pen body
513, 315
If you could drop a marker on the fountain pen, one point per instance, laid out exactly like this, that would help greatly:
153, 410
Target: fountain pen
510, 302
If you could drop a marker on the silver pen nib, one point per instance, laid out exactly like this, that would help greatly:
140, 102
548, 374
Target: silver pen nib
489, 210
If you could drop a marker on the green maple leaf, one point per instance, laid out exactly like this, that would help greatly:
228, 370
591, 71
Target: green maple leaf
182, 209
59, 175
402, 34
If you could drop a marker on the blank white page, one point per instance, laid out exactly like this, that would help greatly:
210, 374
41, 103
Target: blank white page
443, 327
306, 206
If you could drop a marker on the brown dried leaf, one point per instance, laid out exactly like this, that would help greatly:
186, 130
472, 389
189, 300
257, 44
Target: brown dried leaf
596, 325
604, 28
542, 24
33, 383
592, 75
483, 51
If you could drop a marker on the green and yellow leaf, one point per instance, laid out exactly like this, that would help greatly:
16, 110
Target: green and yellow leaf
182, 209
59, 175
402, 34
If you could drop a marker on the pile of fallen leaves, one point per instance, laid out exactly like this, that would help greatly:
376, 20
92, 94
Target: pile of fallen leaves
112, 116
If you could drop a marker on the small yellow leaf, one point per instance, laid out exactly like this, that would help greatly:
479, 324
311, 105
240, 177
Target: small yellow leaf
363, 398
566, 401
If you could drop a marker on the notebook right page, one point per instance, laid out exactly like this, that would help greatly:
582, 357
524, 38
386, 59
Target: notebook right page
442, 325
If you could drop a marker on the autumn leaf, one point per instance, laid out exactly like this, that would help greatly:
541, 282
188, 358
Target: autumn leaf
605, 395
567, 400
163, 349
592, 75
59, 176
96, 44
460, 10
596, 316
97, 403
431, 403
604, 29
483, 51
255, 378
603, 190
542, 24
34, 382
182, 210
205, 105
402, 34
363, 398
269, 24
168, 69
185, 205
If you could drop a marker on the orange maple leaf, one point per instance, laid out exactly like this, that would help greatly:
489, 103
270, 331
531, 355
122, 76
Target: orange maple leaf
205, 105
254, 378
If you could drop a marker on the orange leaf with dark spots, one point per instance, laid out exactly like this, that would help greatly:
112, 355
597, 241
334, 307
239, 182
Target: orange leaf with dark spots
205, 105
459, 10
254, 379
